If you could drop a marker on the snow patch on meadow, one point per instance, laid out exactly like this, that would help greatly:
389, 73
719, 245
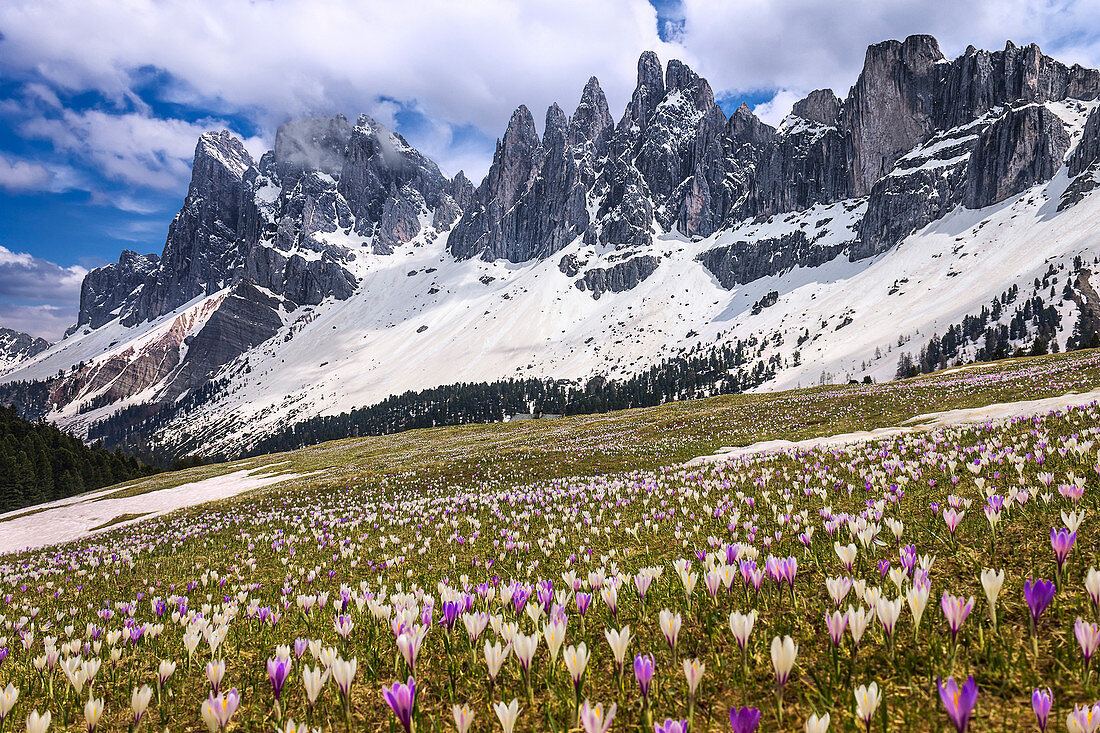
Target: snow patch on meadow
928, 421
84, 515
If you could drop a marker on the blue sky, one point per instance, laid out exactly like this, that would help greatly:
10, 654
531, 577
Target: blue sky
101, 102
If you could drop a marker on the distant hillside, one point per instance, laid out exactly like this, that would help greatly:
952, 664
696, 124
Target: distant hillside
40, 463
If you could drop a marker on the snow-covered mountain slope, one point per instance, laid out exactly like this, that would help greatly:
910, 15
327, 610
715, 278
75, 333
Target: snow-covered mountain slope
17, 347
286, 292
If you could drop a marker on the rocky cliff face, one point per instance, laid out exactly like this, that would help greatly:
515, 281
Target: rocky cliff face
917, 136
1022, 148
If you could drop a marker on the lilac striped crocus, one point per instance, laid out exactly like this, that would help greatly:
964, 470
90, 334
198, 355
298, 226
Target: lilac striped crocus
671, 726
1041, 702
401, 698
959, 701
955, 609
1088, 636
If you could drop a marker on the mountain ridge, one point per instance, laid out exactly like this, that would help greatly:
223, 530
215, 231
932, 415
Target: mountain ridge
594, 208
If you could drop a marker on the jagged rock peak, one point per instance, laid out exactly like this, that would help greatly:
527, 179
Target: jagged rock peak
648, 93
225, 149
591, 122
890, 108
1024, 147
745, 127
820, 105
680, 77
555, 128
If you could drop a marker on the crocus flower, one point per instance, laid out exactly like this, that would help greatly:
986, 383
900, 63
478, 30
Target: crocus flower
1062, 541
464, 717
671, 726
343, 673
959, 702
992, 582
643, 673
1088, 636
670, 627
139, 703
8, 697
741, 627
955, 609
507, 714
1083, 719
619, 641
594, 720
38, 723
1092, 586
815, 724
1038, 594
218, 710
867, 699
278, 670
401, 698
744, 720
576, 661
1041, 702
836, 622
784, 652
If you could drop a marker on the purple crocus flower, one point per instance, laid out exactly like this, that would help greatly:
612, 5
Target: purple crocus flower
1041, 702
451, 611
401, 698
1038, 594
278, 670
744, 720
671, 726
1062, 541
958, 701
643, 672
584, 600
300, 647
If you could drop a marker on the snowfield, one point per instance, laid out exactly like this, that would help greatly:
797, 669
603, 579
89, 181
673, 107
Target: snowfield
85, 515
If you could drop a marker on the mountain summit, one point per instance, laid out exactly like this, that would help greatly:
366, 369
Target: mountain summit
343, 266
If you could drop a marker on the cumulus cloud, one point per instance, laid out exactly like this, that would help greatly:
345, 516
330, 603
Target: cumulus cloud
814, 44
38, 296
17, 176
466, 63
775, 109
44, 321
130, 148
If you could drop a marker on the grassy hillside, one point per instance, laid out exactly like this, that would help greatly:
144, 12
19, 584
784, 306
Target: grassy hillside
522, 521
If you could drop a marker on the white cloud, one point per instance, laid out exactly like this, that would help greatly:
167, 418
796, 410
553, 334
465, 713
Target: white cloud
45, 321
38, 296
18, 176
130, 148
814, 44
775, 109
465, 63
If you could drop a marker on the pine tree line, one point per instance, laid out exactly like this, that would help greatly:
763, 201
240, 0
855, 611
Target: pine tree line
1031, 330
39, 463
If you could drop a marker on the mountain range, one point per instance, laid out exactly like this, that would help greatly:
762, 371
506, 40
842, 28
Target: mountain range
343, 267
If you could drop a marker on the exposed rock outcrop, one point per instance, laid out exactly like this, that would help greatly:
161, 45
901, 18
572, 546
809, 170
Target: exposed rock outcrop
742, 262
618, 278
1022, 148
